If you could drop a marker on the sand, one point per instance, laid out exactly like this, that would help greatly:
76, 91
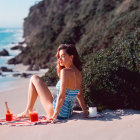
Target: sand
116, 125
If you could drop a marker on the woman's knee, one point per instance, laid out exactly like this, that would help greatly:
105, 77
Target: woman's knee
35, 78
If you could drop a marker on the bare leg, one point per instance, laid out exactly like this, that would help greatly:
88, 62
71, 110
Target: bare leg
38, 88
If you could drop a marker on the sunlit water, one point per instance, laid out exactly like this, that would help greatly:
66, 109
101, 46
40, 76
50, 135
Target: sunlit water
9, 37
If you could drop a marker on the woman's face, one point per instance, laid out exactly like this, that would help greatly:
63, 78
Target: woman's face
64, 58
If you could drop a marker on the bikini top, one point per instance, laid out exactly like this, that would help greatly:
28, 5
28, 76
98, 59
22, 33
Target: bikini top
70, 94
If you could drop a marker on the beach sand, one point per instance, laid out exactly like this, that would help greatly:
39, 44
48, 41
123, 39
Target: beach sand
115, 125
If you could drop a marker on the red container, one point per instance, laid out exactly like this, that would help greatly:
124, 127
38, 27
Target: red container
9, 116
33, 117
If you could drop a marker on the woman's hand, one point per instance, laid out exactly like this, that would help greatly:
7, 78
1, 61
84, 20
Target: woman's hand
52, 119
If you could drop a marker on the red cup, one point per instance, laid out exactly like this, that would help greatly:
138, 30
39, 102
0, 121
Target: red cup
9, 116
33, 116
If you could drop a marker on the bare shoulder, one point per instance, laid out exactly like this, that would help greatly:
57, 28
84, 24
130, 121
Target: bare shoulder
71, 72
65, 71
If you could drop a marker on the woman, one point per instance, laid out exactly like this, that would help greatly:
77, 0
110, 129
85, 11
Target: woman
69, 87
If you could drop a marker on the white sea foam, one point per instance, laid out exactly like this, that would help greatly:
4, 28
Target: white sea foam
9, 37
9, 30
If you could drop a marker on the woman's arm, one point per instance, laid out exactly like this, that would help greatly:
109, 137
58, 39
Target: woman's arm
81, 101
61, 97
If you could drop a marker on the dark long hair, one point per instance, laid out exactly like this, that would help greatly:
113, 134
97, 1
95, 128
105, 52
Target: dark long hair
70, 50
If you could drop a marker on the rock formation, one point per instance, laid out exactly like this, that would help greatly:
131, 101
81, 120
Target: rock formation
89, 24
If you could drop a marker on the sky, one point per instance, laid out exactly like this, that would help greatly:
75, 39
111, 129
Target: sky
13, 12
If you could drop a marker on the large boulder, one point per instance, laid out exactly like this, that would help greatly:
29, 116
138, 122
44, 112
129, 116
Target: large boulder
16, 47
25, 75
5, 69
22, 42
16, 74
4, 52
12, 61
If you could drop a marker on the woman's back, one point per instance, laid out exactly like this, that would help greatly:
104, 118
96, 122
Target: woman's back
72, 89
74, 79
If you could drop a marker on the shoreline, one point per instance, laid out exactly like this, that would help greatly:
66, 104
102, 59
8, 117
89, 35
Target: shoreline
19, 87
18, 69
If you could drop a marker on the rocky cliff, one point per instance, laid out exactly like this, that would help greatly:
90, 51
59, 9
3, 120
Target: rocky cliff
89, 24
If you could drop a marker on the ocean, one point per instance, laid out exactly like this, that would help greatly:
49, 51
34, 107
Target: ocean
9, 37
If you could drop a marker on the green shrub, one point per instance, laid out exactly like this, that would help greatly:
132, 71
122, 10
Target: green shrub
111, 76
51, 77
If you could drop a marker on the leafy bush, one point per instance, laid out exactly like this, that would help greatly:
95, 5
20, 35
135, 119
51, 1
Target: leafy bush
111, 76
51, 77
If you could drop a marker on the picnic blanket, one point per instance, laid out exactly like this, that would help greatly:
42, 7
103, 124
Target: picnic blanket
23, 121
42, 120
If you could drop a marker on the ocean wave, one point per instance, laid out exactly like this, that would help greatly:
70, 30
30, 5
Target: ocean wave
9, 37
8, 30
8, 40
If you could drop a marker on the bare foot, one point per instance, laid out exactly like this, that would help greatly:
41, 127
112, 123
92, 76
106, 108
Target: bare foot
24, 114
